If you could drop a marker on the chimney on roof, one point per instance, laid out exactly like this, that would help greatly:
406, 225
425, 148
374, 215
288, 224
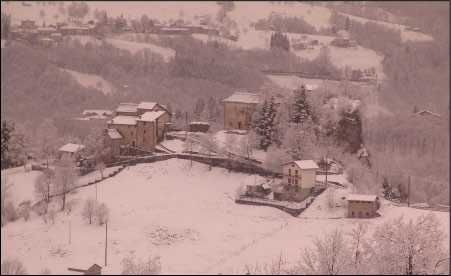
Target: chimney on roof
112, 121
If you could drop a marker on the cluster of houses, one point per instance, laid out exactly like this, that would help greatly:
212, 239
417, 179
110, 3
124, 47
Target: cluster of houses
300, 44
299, 177
179, 27
343, 40
137, 126
47, 36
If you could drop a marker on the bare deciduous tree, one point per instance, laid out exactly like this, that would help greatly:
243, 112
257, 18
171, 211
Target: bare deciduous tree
131, 266
330, 256
13, 267
89, 208
65, 177
42, 187
410, 248
101, 213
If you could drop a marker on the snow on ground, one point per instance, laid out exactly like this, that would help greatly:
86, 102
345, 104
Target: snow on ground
134, 47
164, 10
3, 43
92, 80
247, 12
174, 145
22, 183
405, 34
185, 214
293, 82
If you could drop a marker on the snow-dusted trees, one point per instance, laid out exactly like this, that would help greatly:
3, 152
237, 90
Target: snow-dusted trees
6, 130
97, 150
301, 111
359, 249
101, 212
13, 145
131, 266
43, 186
65, 177
8, 211
410, 248
264, 124
89, 208
46, 140
330, 255
18, 146
278, 266
274, 158
13, 267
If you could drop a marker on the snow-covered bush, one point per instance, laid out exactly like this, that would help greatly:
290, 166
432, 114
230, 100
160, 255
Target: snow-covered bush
13, 267
101, 213
131, 266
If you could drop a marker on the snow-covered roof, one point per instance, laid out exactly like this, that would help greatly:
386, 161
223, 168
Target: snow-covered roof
147, 105
361, 197
422, 112
97, 111
69, 147
56, 34
241, 97
199, 123
151, 116
114, 134
46, 39
127, 107
311, 87
123, 120
304, 164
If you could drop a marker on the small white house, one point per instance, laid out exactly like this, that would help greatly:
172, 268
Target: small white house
299, 178
70, 148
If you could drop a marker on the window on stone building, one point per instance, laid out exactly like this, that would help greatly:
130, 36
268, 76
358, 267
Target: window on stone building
289, 171
296, 181
145, 131
132, 133
367, 214
296, 172
289, 180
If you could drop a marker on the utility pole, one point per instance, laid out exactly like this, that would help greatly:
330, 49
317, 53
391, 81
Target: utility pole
186, 125
408, 193
326, 167
106, 238
191, 154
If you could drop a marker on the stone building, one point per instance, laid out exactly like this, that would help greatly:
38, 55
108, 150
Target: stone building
140, 126
361, 206
299, 178
238, 110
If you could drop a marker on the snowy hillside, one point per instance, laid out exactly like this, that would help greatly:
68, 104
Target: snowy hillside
92, 80
185, 214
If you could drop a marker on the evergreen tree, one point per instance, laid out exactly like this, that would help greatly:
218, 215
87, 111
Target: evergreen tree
415, 109
6, 130
386, 188
349, 131
279, 40
301, 108
200, 105
211, 108
264, 125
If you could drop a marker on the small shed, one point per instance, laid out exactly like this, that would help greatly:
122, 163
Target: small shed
95, 269
361, 206
199, 127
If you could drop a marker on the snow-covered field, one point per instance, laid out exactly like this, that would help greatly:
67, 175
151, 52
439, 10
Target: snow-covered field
92, 80
22, 184
134, 47
405, 34
185, 214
